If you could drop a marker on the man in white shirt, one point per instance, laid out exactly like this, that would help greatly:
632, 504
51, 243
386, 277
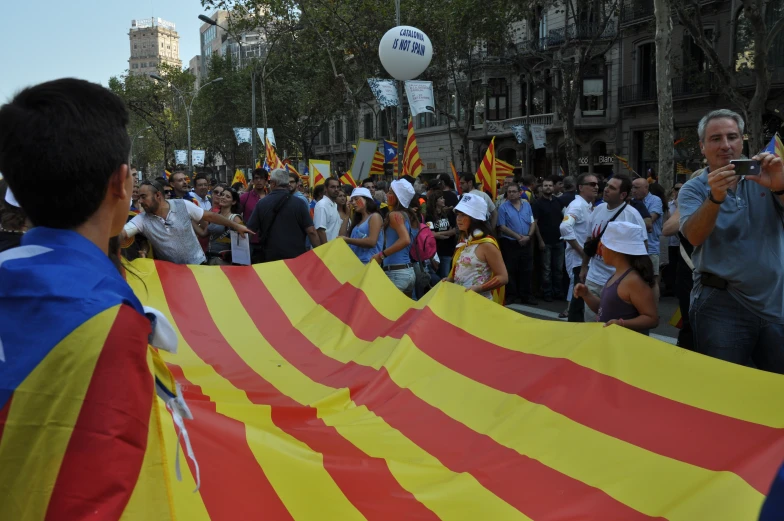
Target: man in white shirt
575, 230
201, 184
326, 218
167, 224
614, 208
468, 186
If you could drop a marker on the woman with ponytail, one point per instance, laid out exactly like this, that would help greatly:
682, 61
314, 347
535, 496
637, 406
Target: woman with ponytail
478, 264
627, 299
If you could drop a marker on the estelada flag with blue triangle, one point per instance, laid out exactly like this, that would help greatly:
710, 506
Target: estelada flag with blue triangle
390, 151
775, 147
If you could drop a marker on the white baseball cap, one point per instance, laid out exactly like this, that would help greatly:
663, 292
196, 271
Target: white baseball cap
473, 206
625, 238
404, 191
361, 192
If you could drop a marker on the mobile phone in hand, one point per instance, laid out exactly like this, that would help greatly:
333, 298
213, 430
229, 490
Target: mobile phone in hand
746, 166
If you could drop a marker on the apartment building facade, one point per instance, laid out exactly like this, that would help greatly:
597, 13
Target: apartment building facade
152, 41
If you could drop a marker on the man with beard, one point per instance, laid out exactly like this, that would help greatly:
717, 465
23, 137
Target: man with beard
595, 272
548, 212
168, 225
179, 184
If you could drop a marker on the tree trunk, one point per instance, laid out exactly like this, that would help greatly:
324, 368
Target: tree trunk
663, 40
570, 147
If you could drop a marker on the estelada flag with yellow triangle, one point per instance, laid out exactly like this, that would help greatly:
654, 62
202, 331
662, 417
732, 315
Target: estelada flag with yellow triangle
412, 164
348, 179
239, 177
487, 170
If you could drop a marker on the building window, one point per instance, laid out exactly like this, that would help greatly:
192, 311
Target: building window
524, 101
368, 124
646, 65
339, 131
325, 134
383, 118
351, 129
497, 99
594, 90
694, 58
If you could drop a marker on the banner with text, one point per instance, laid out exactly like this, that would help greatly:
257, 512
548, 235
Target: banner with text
538, 136
197, 157
420, 97
384, 91
242, 134
181, 157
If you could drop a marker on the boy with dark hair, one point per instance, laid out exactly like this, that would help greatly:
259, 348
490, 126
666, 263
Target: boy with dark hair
85, 373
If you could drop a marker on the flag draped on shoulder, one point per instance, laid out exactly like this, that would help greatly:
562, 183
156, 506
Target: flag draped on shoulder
487, 170
412, 164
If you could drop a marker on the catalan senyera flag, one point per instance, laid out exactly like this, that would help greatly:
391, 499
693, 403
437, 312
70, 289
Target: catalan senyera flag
239, 177
503, 169
486, 173
377, 166
272, 159
348, 179
625, 163
412, 164
457, 179
319, 391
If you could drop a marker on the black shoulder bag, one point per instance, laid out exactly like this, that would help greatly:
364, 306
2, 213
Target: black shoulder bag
275, 211
592, 245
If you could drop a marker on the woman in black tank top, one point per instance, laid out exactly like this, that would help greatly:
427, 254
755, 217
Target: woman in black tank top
627, 299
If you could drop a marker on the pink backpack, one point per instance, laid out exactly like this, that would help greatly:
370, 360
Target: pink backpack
424, 247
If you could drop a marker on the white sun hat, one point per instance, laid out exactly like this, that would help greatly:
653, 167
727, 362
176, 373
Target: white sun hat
404, 191
473, 206
625, 238
361, 192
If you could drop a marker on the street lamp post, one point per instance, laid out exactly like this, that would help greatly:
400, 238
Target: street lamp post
188, 107
133, 140
401, 139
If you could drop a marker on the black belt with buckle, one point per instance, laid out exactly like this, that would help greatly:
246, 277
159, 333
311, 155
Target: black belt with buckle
713, 281
393, 267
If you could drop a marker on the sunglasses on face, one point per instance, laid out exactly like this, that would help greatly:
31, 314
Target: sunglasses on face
593, 184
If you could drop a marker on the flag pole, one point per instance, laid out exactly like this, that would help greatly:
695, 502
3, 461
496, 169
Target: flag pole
400, 136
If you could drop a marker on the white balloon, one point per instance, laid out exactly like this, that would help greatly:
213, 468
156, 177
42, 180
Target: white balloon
405, 52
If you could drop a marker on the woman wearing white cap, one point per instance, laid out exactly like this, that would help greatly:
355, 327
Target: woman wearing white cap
365, 236
395, 257
478, 264
627, 299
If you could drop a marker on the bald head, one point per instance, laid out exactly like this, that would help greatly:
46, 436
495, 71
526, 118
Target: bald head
639, 188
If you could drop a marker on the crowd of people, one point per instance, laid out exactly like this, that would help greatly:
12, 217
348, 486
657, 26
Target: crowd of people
590, 241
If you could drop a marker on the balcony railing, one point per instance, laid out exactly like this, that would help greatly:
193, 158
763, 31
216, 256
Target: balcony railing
504, 126
749, 79
581, 31
682, 87
636, 10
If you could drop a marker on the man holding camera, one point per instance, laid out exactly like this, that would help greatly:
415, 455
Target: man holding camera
736, 224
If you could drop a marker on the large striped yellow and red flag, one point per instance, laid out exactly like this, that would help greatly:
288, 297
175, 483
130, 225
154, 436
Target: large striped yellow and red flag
239, 177
486, 173
412, 164
319, 391
377, 166
503, 169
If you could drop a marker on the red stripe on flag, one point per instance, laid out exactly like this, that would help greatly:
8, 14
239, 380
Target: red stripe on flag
499, 469
4, 415
105, 453
366, 481
660, 425
233, 485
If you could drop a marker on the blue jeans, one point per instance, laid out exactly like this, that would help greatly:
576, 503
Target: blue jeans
403, 280
444, 267
725, 329
552, 269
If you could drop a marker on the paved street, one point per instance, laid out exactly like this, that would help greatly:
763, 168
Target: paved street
550, 310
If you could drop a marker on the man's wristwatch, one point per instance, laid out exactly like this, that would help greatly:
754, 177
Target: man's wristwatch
715, 201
